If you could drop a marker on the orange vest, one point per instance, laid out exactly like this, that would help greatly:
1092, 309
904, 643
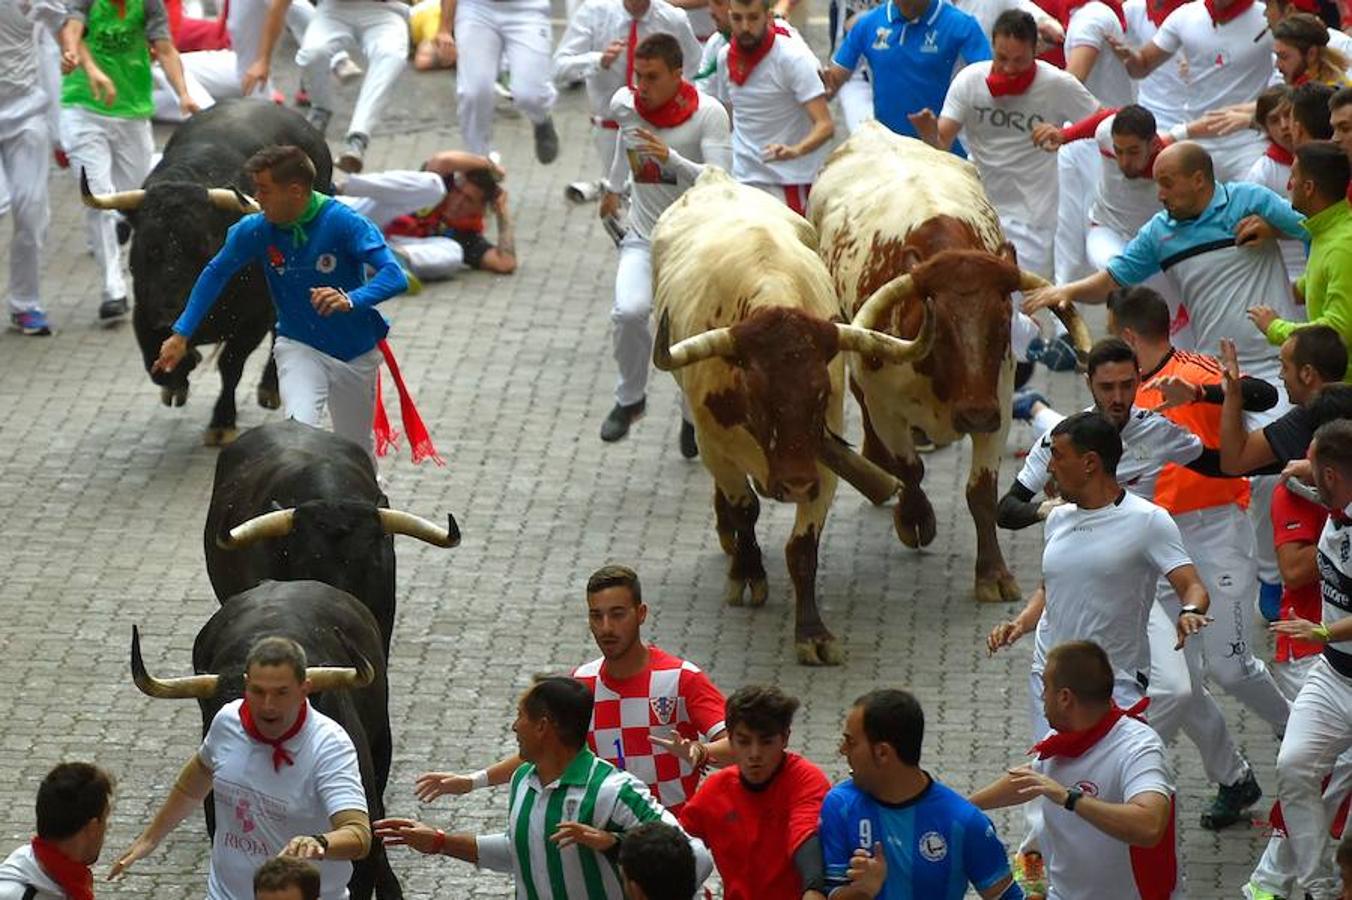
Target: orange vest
1180, 490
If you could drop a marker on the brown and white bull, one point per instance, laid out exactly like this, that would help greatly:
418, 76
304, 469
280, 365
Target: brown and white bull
745, 305
902, 228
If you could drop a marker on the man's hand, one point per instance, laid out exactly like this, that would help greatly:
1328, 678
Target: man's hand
612, 53
101, 86
1229, 366
255, 76
327, 301
1301, 470
868, 871
1299, 629
1252, 231
406, 833
445, 45
780, 152
926, 125
692, 751
1121, 50
1176, 392
1050, 33
1048, 137
1187, 625
1003, 635
1219, 123
188, 105
140, 848
1046, 298
303, 846
172, 351
1030, 783
650, 144
431, 785
571, 833
1262, 317
70, 61
610, 205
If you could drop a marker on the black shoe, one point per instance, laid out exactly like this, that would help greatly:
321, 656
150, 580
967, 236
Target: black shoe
546, 142
689, 448
318, 117
1232, 800
617, 423
123, 231
115, 308
353, 156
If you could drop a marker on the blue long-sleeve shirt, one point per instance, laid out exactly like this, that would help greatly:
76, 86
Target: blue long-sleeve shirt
341, 247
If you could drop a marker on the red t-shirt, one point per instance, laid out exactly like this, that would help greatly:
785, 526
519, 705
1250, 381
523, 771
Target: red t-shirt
670, 695
1297, 520
753, 834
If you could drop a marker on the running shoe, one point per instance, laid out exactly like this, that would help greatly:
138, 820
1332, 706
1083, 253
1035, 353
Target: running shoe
32, 322
1232, 802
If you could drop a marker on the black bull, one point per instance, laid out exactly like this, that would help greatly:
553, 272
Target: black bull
292, 502
335, 630
179, 219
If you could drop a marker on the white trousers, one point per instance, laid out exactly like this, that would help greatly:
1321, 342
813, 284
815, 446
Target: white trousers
23, 164
487, 33
1260, 514
383, 196
1078, 165
381, 29
430, 258
115, 154
1319, 730
310, 380
631, 333
1102, 243
1032, 242
856, 100
209, 76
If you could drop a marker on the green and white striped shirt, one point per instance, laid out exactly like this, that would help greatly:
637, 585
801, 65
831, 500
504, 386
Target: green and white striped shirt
591, 791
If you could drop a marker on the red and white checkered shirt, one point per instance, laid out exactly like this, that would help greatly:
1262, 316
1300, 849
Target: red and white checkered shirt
670, 695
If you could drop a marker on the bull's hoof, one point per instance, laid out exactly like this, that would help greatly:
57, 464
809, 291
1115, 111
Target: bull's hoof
174, 396
912, 530
269, 397
821, 651
219, 437
760, 591
757, 589
1003, 589
732, 592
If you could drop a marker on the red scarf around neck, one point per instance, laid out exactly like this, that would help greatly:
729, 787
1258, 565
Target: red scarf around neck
1279, 154
74, 877
1074, 744
1159, 10
1233, 11
741, 63
279, 754
678, 109
1069, 7
1002, 85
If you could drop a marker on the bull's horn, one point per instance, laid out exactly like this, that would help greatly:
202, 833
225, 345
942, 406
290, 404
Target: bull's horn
867, 342
123, 200
269, 525
341, 678
715, 342
883, 299
192, 687
1068, 314
233, 200
396, 521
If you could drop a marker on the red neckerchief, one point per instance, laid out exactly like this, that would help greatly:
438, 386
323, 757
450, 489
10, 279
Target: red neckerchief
1074, 744
1302, 78
1157, 144
629, 53
678, 109
1234, 10
74, 877
1158, 10
1002, 85
1279, 154
1070, 6
741, 63
279, 754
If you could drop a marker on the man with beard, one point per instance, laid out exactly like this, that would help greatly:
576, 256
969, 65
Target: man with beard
656, 716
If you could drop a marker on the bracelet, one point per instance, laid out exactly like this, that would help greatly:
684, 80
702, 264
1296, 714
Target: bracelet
439, 845
479, 780
1321, 633
703, 756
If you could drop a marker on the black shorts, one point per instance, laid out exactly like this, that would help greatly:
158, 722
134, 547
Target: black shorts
474, 245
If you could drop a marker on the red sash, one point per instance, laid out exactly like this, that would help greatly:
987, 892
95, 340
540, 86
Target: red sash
1002, 85
1234, 10
74, 877
279, 754
419, 440
741, 63
1074, 744
678, 109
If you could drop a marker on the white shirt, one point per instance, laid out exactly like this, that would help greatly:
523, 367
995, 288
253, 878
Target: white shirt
1164, 91
1020, 178
258, 810
1123, 204
596, 24
700, 140
20, 870
1341, 42
21, 94
987, 11
1335, 576
1093, 25
768, 109
1225, 64
1100, 568
1083, 863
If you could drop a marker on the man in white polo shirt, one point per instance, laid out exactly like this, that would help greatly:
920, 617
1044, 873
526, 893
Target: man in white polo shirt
1102, 780
284, 777
996, 106
780, 119
1228, 52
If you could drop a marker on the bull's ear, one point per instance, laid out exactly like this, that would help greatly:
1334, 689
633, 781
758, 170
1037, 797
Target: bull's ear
1010, 252
910, 258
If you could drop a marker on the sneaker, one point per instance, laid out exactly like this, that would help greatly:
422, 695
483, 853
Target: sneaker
318, 118
1057, 355
1030, 874
347, 71
1253, 892
1232, 800
503, 87
583, 191
1024, 401
620, 418
354, 153
546, 142
115, 308
415, 285
123, 231
689, 446
32, 322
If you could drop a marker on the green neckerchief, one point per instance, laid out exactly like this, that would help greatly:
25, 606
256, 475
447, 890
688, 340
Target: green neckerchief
312, 208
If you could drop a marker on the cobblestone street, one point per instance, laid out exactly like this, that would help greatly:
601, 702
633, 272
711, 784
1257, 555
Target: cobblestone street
104, 492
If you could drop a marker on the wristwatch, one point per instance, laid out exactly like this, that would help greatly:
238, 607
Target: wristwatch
1073, 796
323, 842
1189, 609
